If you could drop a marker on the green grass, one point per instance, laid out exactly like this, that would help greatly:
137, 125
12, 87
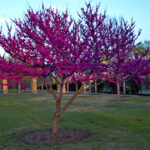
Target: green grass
123, 125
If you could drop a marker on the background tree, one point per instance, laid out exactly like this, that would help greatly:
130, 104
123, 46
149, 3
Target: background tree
140, 49
14, 71
134, 66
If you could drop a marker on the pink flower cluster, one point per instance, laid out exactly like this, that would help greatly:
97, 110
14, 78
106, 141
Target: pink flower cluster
48, 42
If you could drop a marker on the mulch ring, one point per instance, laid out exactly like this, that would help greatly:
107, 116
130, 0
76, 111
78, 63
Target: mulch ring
45, 137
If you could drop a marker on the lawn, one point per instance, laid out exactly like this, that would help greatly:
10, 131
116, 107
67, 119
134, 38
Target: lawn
123, 125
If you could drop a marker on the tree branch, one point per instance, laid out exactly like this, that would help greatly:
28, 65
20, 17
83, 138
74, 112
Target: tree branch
70, 101
51, 91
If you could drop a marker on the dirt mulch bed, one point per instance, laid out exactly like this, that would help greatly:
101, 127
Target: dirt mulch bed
45, 137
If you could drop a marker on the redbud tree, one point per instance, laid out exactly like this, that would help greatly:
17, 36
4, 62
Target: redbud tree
14, 71
52, 44
127, 64
132, 66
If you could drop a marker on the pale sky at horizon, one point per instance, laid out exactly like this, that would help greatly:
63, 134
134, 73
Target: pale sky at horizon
139, 10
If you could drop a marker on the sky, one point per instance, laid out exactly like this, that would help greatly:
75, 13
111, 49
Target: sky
139, 10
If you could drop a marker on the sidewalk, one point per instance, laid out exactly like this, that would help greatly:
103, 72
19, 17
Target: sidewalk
147, 91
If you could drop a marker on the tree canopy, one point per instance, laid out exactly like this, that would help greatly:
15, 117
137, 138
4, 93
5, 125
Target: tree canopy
50, 43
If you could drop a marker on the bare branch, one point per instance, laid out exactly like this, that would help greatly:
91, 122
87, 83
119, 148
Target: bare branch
71, 100
51, 91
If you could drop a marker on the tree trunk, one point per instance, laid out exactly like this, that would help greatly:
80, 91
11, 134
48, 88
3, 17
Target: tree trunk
55, 124
118, 91
42, 86
67, 87
90, 89
34, 85
84, 87
141, 87
60, 111
76, 87
19, 88
56, 117
5, 87
124, 89
95, 87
